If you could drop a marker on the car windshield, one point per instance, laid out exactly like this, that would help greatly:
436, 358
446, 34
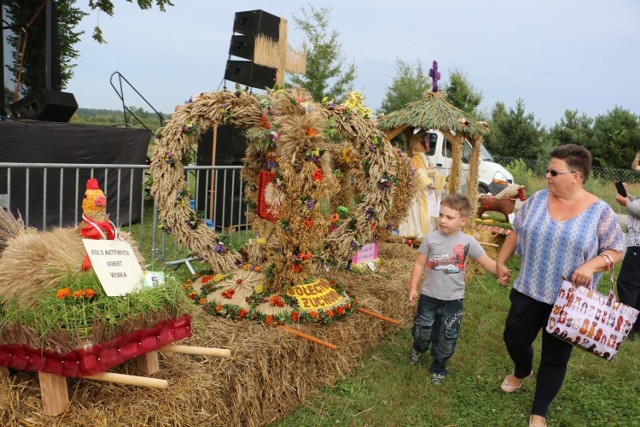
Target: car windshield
484, 153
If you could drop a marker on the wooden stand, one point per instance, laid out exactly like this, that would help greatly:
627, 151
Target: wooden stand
55, 395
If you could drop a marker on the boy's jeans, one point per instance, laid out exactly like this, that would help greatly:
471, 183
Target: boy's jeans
437, 323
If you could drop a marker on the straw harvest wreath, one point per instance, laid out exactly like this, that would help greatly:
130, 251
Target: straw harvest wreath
320, 181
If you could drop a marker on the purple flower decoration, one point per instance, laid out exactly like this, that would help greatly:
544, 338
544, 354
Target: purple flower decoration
384, 184
310, 204
275, 136
219, 248
369, 214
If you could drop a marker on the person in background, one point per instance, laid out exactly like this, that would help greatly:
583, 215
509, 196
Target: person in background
635, 165
629, 277
443, 254
422, 215
559, 232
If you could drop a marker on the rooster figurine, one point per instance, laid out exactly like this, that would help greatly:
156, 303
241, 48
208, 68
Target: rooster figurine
95, 220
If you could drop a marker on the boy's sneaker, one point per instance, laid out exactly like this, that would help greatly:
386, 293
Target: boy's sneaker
437, 379
414, 356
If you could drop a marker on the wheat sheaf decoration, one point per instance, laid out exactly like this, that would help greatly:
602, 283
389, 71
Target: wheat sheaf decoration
320, 180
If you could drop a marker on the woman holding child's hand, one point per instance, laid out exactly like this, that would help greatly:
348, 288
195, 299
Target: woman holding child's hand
559, 232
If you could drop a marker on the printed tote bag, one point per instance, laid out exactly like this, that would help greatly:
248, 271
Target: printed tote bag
590, 320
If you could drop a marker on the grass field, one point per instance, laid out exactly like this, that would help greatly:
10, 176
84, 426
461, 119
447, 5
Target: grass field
386, 390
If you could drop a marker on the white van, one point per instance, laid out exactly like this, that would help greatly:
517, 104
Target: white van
492, 177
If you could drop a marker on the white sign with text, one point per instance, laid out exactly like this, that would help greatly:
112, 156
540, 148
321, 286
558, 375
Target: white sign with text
116, 266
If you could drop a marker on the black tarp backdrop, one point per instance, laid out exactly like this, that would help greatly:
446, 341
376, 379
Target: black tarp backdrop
46, 142
230, 149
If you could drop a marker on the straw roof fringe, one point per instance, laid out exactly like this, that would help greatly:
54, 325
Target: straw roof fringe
433, 112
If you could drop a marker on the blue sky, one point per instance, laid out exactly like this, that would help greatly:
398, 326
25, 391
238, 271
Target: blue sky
554, 54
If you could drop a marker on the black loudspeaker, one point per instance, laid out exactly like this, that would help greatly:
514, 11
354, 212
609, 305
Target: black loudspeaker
254, 22
249, 74
229, 206
46, 105
230, 147
243, 46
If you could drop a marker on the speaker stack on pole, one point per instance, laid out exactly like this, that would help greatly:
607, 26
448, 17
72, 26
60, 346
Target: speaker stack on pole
248, 27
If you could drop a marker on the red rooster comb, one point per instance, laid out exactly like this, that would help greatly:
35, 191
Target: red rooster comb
92, 184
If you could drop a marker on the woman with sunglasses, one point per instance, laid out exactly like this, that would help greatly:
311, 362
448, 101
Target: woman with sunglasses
559, 232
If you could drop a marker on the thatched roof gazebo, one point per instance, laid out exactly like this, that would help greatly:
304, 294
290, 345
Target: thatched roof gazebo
435, 112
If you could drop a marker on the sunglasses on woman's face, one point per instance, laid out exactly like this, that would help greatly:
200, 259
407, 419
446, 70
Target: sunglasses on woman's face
555, 173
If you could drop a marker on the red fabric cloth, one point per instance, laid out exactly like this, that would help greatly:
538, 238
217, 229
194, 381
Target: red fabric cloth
99, 357
90, 232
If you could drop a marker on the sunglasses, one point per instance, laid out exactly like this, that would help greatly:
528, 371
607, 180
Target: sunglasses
555, 173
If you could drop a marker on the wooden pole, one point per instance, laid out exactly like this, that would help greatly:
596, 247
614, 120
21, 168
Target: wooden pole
307, 337
201, 351
148, 363
130, 380
55, 396
214, 147
378, 316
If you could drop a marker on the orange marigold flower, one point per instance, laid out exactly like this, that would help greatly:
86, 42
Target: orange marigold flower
275, 300
202, 301
317, 175
340, 310
334, 218
332, 283
218, 308
295, 316
242, 313
306, 255
89, 293
257, 269
77, 294
297, 268
265, 123
308, 223
63, 293
246, 267
347, 306
313, 314
269, 319
329, 313
311, 132
206, 279
192, 295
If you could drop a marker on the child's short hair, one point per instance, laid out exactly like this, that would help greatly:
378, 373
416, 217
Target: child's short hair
459, 202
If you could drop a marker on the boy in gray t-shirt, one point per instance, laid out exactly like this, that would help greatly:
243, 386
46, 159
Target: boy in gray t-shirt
443, 254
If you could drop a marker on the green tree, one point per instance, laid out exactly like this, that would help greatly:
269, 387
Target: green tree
461, 94
326, 75
514, 133
408, 85
28, 22
573, 128
616, 138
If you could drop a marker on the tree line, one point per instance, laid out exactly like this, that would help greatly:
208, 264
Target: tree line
613, 137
